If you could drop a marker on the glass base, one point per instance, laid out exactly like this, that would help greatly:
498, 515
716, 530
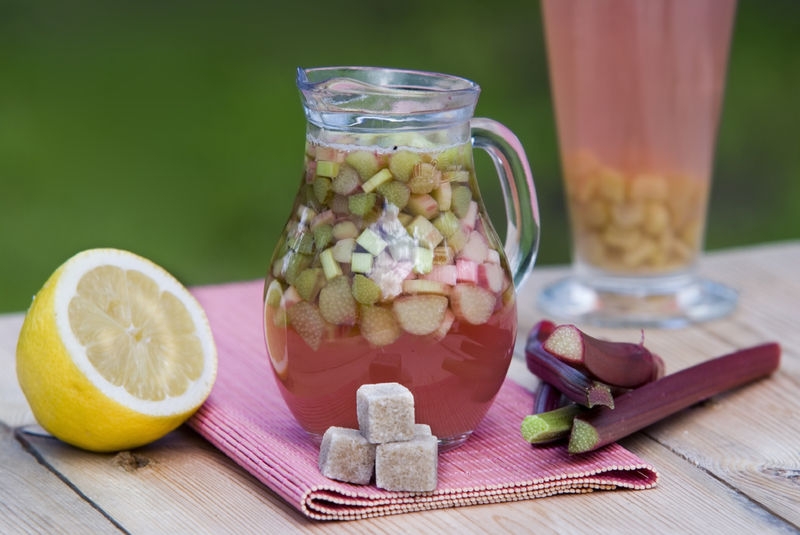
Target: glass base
632, 305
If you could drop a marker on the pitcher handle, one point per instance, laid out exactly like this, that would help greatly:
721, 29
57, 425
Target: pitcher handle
519, 193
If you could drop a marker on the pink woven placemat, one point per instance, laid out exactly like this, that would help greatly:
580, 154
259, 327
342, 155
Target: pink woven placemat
245, 418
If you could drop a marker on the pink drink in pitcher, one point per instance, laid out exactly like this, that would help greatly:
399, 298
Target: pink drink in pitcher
386, 273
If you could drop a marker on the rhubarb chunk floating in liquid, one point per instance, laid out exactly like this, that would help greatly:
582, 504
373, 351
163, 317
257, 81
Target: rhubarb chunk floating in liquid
383, 242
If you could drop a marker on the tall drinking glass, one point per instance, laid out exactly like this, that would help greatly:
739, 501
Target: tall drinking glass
637, 87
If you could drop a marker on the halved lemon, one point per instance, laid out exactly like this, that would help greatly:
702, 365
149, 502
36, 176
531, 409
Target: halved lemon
114, 352
275, 328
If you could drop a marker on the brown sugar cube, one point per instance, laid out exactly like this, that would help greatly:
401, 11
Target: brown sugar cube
411, 465
345, 455
385, 412
422, 430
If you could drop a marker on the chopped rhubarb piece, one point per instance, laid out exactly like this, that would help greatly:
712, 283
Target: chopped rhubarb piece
424, 232
643, 406
309, 282
361, 204
322, 188
447, 274
293, 263
472, 304
290, 297
461, 199
425, 286
346, 181
622, 364
342, 251
424, 178
423, 260
470, 219
345, 229
365, 290
327, 168
330, 154
336, 302
307, 321
323, 234
330, 266
457, 156
443, 196
492, 277
381, 177
340, 205
456, 175
361, 263
457, 241
476, 249
402, 163
323, 218
378, 325
444, 327
466, 270
370, 241
405, 218
443, 255
493, 256
447, 223
422, 204
395, 193
420, 314
365, 162
572, 383
302, 242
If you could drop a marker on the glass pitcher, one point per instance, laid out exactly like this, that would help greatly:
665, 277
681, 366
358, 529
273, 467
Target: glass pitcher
388, 269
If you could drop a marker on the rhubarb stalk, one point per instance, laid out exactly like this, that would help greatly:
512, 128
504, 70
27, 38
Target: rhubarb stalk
549, 426
572, 383
643, 406
546, 398
623, 364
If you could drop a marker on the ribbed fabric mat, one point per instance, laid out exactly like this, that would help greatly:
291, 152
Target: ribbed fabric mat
245, 417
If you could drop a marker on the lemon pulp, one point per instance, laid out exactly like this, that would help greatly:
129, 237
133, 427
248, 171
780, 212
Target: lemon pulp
114, 352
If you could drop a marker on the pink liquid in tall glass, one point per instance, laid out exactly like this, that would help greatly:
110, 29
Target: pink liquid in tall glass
637, 86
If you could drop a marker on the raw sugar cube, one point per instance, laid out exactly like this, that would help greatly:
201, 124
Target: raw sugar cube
407, 466
385, 412
345, 455
422, 430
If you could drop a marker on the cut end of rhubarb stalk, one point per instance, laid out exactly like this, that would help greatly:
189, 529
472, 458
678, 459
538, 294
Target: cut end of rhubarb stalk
566, 343
599, 394
583, 438
549, 426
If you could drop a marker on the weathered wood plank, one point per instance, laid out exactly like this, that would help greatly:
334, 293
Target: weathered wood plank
34, 500
715, 478
188, 487
718, 436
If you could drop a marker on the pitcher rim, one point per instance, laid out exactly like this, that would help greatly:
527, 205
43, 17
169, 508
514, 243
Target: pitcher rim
455, 84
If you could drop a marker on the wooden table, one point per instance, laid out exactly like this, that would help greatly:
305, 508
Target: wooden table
730, 465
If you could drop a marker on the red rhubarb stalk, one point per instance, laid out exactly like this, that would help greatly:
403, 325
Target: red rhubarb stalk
549, 426
546, 398
572, 383
623, 364
643, 406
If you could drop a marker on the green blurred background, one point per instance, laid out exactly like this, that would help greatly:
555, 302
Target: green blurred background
174, 129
